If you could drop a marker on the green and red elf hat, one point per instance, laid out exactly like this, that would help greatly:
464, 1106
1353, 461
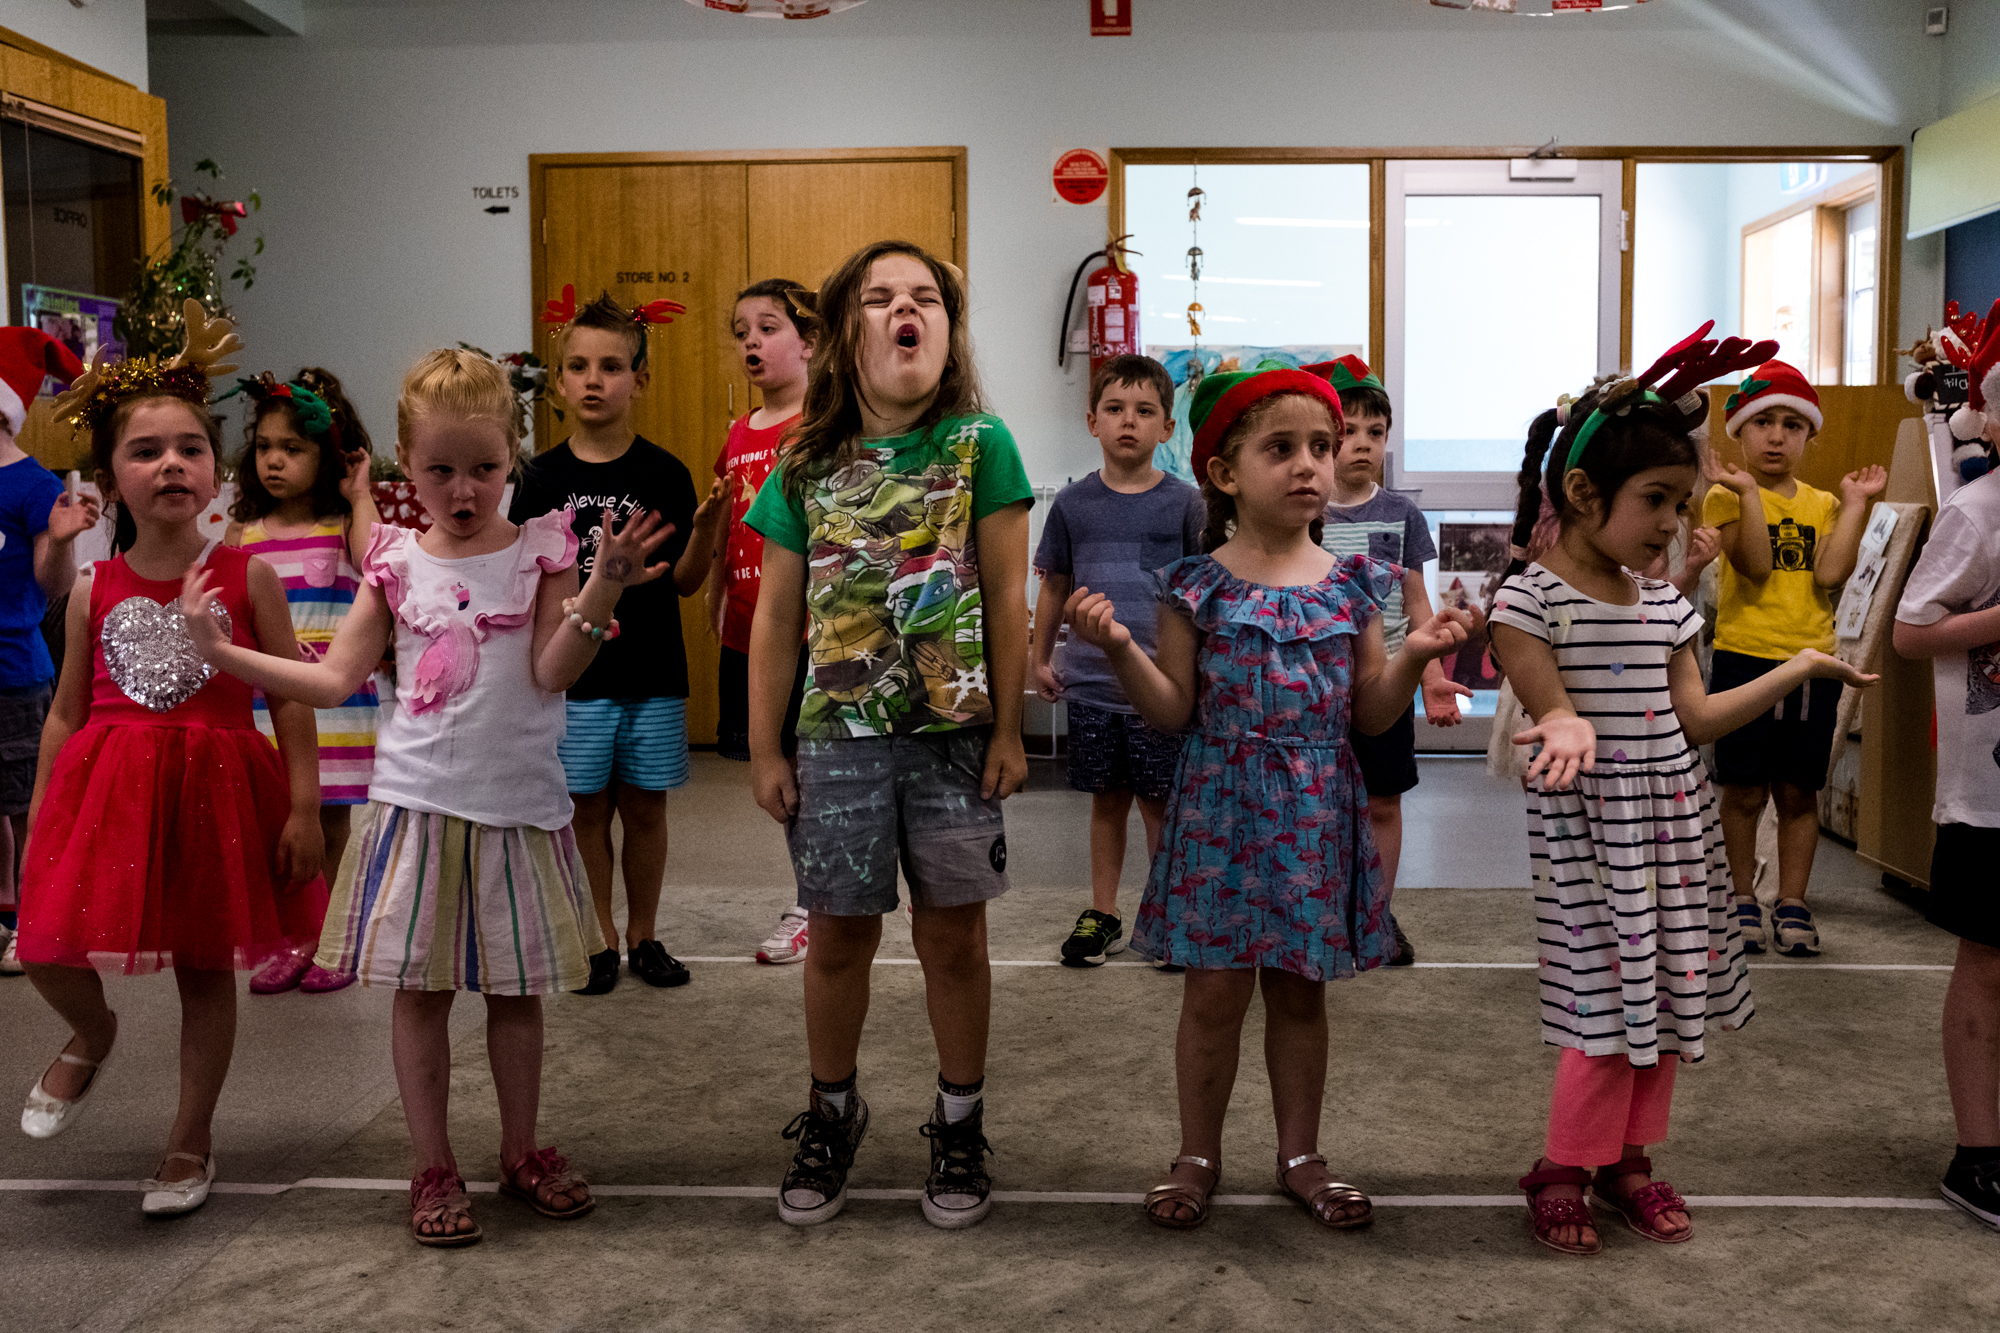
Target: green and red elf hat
1344, 373
1221, 400
1773, 384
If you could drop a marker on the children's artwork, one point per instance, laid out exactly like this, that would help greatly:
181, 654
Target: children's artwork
1868, 565
1472, 560
1187, 365
77, 320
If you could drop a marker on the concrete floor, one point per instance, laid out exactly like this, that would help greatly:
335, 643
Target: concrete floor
1438, 1089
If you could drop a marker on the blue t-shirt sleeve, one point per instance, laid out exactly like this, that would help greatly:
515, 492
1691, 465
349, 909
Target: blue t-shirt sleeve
1194, 520
40, 499
1417, 544
1054, 556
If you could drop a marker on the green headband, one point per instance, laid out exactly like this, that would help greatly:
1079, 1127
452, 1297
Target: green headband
1597, 418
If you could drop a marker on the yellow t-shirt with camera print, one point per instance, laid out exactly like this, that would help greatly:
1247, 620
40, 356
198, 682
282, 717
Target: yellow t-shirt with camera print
1788, 611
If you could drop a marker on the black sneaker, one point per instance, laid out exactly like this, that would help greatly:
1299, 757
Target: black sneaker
603, 973
652, 964
1976, 1189
1097, 936
815, 1189
959, 1192
1406, 952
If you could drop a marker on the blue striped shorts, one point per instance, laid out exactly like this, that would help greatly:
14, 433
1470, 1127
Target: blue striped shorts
641, 742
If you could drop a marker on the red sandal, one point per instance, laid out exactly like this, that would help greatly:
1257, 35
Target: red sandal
545, 1169
1643, 1206
1548, 1214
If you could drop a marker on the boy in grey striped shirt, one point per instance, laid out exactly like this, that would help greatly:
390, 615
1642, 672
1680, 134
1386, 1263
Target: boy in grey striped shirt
1364, 519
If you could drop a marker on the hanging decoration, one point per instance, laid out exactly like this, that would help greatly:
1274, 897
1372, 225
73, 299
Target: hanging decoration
1195, 197
777, 9
1512, 8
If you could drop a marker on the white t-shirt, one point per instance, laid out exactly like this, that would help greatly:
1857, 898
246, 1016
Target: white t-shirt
1959, 571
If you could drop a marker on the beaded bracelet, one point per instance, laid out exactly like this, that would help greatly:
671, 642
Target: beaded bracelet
603, 633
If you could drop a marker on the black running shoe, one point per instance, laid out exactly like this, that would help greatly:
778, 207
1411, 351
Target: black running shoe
815, 1189
652, 964
1097, 936
603, 973
1976, 1189
959, 1192
1406, 952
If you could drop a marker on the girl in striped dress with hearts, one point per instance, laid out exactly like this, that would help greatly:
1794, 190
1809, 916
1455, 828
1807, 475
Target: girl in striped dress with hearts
1639, 949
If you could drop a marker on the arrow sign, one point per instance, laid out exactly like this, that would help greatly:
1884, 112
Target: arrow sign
498, 208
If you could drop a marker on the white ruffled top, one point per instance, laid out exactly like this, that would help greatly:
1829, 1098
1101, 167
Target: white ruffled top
471, 735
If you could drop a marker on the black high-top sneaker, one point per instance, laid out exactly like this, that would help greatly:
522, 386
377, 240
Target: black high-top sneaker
815, 1189
959, 1192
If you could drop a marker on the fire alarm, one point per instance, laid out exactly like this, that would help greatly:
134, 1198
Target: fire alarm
1935, 20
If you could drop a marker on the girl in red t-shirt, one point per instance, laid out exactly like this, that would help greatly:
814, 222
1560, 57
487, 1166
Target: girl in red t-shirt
774, 337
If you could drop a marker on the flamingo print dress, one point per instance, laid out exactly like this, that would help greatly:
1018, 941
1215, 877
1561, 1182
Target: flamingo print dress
1267, 859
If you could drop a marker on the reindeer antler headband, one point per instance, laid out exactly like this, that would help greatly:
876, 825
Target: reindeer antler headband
1684, 368
314, 413
187, 375
561, 312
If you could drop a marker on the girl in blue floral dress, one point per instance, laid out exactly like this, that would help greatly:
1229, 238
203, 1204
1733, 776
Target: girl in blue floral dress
1267, 875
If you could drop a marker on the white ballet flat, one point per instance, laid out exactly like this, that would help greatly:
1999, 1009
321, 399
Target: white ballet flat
172, 1198
45, 1116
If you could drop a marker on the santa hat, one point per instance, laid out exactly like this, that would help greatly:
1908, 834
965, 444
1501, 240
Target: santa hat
1773, 384
1973, 345
27, 357
1344, 373
1221, 400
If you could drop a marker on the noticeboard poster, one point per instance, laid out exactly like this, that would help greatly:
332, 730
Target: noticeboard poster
78, 320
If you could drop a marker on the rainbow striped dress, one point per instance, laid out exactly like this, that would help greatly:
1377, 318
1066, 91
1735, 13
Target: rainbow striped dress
320, 582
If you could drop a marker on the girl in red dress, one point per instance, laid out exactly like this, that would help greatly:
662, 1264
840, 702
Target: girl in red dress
165, 831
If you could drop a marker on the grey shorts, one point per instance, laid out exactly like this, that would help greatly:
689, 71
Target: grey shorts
871, 803
22, 713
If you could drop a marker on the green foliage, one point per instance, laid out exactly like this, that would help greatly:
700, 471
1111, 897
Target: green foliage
149, 316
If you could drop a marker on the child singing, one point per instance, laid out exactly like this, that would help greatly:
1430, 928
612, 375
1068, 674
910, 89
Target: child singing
463, 875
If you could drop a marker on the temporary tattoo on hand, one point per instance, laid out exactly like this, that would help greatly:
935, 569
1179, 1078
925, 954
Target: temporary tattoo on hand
617, 568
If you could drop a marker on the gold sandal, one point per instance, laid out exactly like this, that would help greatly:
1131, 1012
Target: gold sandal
1175, 1194
1326, 1202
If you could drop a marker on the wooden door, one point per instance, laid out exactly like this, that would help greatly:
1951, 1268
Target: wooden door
805, 217
643, 232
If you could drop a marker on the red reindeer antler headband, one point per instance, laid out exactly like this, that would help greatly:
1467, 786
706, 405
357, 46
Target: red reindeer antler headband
562, 310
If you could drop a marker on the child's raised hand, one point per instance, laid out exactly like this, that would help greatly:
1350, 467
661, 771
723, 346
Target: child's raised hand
1441, 701
1569, 746
354, 482
621, 554
72, 516
1735, 478
1095, 620
203, 630
1704, 544
1828, 667
1863, 484
712, 513
1446, 632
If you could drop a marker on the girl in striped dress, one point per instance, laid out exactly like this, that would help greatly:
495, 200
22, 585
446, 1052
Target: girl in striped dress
463, 874
304, 507
1639, 949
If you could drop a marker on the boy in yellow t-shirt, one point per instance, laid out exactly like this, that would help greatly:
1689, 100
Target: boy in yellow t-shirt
1788, 548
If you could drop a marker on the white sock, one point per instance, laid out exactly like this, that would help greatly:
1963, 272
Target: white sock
960, 1106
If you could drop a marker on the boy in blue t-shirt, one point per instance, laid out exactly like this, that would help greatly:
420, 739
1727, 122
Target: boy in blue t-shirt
1364, 519
1108, 533
39, 524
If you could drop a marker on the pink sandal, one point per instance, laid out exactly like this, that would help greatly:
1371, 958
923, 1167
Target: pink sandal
282, 972
437, 1197
544, 1168
1643, 1206
1548, 1214
319, 981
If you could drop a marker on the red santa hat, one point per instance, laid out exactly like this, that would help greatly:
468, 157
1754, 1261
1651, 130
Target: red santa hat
27, 356
1773, 384
1973, 345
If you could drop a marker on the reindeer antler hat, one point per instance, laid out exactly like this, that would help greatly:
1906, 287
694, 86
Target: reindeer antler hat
1672, 384
1973, 345
187, 375
562, 312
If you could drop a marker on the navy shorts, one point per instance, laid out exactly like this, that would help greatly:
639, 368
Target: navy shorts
1118, 752
1790, 743
1964, 898
22, 713
1388, 761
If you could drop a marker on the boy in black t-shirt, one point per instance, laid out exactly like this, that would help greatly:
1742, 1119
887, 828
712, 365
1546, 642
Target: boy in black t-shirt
627, 738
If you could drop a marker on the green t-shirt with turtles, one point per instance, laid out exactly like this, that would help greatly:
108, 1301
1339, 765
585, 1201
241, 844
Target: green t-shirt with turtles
895, 634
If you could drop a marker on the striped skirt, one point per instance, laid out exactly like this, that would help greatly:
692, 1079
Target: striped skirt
434, 902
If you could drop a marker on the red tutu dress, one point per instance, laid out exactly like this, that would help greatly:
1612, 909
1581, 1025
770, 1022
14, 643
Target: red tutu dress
155, 842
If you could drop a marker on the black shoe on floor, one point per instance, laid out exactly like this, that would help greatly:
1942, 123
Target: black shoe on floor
1976, 1189
652, 964
815, 1189
959, 1192
1095, 936
1406, 952
603, 973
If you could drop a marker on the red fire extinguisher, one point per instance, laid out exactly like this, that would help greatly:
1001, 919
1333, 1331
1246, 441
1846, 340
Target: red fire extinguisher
1111, 306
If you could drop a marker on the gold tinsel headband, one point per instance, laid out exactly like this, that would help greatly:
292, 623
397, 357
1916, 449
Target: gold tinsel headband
99, 390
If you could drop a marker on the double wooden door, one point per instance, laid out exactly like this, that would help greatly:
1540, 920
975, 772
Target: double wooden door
698, 228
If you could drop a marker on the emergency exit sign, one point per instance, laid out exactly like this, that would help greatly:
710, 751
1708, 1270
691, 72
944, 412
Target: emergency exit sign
1110, 18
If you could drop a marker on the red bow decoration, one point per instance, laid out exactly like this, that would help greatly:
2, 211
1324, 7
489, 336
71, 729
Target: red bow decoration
561, 311
656, 312
1694, 362
195, 207
1974, 347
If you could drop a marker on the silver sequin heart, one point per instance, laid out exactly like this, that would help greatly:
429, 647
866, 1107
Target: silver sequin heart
149, 655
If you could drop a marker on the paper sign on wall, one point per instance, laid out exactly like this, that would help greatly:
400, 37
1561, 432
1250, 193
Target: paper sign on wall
1110, 18
1868, 565
1080, 176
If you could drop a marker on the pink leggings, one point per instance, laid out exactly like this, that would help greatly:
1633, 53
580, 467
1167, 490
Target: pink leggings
1602, 1103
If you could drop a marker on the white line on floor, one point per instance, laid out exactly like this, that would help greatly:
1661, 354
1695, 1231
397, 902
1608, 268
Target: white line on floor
367, 1184
1762, 967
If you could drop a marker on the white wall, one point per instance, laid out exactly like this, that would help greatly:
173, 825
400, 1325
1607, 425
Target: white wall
109, 35
368, 135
